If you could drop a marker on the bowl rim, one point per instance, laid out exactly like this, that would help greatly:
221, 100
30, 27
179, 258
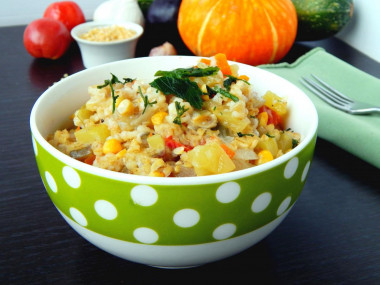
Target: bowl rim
76, 32
167, 181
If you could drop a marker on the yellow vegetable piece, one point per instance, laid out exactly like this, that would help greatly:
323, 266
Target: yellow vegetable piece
121, 153
267, 143
264, 156
210, 159
92, 133
156, 143
285, 143
244, 77
125, 107
83, 113
275, 102
157, 174
263, 118
158, 118
228, 120
112, 146
205, 97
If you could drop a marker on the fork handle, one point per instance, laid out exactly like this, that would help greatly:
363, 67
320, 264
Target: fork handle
366, 111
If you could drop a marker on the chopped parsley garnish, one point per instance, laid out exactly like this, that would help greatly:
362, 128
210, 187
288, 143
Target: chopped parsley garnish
225, 93
240, 135
177, 83
180, 111
146, 101
110, 83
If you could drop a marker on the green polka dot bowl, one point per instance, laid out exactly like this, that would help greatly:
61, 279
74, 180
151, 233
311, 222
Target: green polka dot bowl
161, 221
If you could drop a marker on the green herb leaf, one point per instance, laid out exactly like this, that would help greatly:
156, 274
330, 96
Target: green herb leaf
128, 80
180, 111
294, 143
244, 135
225, 93
146, 101
228, 82
232, 79
182, 88
210, 92
182, 73
110, 83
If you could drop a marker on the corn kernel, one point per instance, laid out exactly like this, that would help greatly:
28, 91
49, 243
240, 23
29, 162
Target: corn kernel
205, 97
125, 107
112, 146
264, 156
263, 118
121, 153
204, 88
158, 118
118, 101
157, 174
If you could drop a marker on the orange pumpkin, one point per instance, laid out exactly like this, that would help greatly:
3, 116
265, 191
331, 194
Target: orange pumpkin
248, 31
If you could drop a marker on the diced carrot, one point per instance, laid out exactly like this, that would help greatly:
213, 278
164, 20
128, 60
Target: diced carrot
172, 144
221, 62
228, 151
244, 77
206, 61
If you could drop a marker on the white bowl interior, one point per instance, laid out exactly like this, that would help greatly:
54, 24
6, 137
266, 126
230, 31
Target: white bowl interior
55, 106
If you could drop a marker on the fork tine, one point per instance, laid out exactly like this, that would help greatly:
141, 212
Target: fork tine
319, 91
325, 92
333, 91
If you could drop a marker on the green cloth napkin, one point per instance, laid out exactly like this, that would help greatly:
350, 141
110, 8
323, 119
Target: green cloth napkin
357, 134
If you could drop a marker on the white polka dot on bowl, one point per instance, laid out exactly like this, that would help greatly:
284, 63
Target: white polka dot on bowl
144, 195
71, 177
261, 202
291, 168
78, 216
51, 182
283, 206
105, 209
224, 231
145, 235
228, 192
186, 218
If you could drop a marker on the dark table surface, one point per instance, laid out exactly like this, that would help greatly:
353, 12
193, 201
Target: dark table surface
332, 235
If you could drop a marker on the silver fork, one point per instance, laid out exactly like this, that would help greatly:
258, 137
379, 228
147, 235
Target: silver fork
336, 98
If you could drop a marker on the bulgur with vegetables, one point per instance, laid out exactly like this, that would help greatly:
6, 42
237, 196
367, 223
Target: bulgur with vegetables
195, 121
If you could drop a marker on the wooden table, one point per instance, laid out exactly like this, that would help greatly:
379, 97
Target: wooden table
332, 235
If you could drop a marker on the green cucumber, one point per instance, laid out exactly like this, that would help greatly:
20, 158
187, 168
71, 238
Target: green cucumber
320, 19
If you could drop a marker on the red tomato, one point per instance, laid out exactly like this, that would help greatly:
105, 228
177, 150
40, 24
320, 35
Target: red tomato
46, 38
273, 117
67, 12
